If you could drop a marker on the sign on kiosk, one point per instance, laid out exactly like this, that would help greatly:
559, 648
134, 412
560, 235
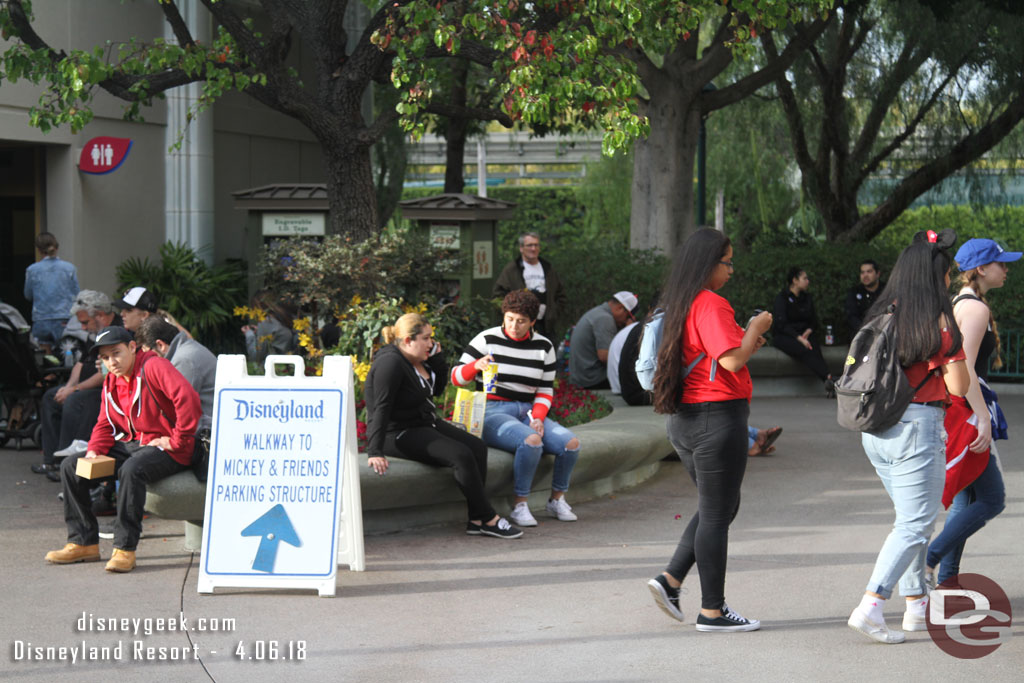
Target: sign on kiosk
282, 496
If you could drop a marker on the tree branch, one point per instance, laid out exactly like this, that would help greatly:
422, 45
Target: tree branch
173, 17
968, 150
776, 67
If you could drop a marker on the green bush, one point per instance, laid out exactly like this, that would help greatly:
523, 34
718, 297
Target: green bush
999, 223
199, 296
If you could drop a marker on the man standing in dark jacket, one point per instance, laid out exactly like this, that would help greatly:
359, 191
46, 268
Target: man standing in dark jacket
531, 272
147, 423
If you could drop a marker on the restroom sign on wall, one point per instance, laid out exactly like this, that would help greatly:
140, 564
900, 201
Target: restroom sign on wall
103, 154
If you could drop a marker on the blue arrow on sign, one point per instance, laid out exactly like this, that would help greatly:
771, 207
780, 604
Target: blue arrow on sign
274, 526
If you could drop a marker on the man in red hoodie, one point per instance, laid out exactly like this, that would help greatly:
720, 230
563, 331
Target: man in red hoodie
147, 423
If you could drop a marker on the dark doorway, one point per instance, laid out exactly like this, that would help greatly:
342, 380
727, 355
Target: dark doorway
20, 167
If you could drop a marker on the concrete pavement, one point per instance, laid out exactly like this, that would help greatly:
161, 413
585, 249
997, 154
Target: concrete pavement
566, 602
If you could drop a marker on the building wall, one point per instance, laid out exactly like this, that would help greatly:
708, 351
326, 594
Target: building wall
101, 220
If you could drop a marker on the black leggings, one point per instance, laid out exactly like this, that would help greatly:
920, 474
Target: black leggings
811, 357
711, 440
448, 446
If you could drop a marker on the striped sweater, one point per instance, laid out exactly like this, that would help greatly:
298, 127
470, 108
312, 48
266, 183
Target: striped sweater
526, 368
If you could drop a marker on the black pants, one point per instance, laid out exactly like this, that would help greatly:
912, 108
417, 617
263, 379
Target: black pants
811, 357
448, 446
74, 419
136, 466
711, 440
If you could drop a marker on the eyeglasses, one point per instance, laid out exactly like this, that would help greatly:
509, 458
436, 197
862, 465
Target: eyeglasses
728, 264
529, 245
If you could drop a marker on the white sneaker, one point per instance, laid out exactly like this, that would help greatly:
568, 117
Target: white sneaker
521, 516
77, 447
557, 507
876, 631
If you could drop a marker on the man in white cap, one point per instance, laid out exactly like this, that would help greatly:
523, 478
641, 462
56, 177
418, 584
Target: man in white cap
592, 336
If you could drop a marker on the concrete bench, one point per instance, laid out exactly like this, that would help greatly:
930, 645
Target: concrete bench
617, 451
776, 374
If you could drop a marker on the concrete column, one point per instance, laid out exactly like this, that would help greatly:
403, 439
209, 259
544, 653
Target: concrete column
189, 169
481, 166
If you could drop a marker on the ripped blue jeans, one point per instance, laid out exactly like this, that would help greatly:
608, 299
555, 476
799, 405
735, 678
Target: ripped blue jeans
507, 425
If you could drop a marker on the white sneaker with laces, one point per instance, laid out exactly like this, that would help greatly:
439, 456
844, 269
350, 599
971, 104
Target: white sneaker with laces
875, 630
557, 507
521, 516
77, 447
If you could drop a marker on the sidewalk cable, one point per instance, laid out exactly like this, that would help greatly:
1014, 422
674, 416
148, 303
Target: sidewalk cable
181, 606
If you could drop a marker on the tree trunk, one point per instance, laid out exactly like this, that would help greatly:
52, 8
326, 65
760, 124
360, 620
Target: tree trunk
351, 199
456, 133
661, 214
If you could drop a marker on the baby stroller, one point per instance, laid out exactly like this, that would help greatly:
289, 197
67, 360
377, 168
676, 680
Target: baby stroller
22, 381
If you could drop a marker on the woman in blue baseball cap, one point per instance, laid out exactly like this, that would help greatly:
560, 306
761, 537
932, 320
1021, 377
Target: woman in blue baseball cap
974, 483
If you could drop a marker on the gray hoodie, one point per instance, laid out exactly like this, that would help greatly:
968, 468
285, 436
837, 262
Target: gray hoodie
199, 366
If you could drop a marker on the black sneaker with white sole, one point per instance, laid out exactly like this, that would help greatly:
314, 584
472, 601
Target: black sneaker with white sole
500, 529
729, 621
665, 596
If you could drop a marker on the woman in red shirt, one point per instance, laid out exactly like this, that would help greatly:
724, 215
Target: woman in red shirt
703, 384
910, 456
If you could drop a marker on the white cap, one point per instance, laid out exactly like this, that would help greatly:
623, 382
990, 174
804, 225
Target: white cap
627, 299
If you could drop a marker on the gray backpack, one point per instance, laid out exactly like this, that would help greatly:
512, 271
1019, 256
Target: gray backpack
873, 392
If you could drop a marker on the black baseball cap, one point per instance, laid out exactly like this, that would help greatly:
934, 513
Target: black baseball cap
114, 334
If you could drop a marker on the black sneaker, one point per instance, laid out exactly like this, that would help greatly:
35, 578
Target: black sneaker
665, 596
473, 529
729, 621
501, 529
830, 388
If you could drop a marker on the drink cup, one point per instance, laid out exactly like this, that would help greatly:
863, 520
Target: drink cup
490, 377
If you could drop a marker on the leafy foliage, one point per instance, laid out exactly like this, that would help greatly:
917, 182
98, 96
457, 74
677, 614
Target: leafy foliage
200, 297
569, 63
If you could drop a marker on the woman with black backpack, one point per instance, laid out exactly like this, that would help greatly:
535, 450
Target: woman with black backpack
703, 384
909, 457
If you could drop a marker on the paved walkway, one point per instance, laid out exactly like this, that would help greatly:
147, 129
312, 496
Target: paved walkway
568, 602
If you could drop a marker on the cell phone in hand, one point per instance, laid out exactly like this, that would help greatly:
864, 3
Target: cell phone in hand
757, 312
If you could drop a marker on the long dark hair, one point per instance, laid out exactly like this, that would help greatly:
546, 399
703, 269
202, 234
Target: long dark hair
917, 286
692, 267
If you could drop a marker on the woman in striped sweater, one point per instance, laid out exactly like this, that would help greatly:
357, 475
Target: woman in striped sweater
517, 407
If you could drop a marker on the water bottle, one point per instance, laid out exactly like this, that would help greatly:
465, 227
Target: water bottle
829, 339
69, 358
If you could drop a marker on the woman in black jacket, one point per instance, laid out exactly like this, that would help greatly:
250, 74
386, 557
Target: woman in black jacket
402, 421
794, 323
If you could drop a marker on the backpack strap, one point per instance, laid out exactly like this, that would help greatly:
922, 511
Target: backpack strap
693, 364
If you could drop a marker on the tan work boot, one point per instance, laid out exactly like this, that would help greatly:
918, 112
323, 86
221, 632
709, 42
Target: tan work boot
73, 552
121, 561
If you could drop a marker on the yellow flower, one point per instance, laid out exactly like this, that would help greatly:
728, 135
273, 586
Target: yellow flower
355, 301
301, 324
305, 340
362, 369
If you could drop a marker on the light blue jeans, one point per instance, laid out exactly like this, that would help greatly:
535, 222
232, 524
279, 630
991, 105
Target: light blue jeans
910, 459
751, 437
506, 426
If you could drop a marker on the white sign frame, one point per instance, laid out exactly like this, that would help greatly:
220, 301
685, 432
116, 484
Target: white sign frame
239, 549
310, 223
446, 236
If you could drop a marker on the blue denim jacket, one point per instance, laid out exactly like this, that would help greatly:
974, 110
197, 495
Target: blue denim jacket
51, 285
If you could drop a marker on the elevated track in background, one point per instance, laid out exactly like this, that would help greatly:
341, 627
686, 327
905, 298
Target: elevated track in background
510, 157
